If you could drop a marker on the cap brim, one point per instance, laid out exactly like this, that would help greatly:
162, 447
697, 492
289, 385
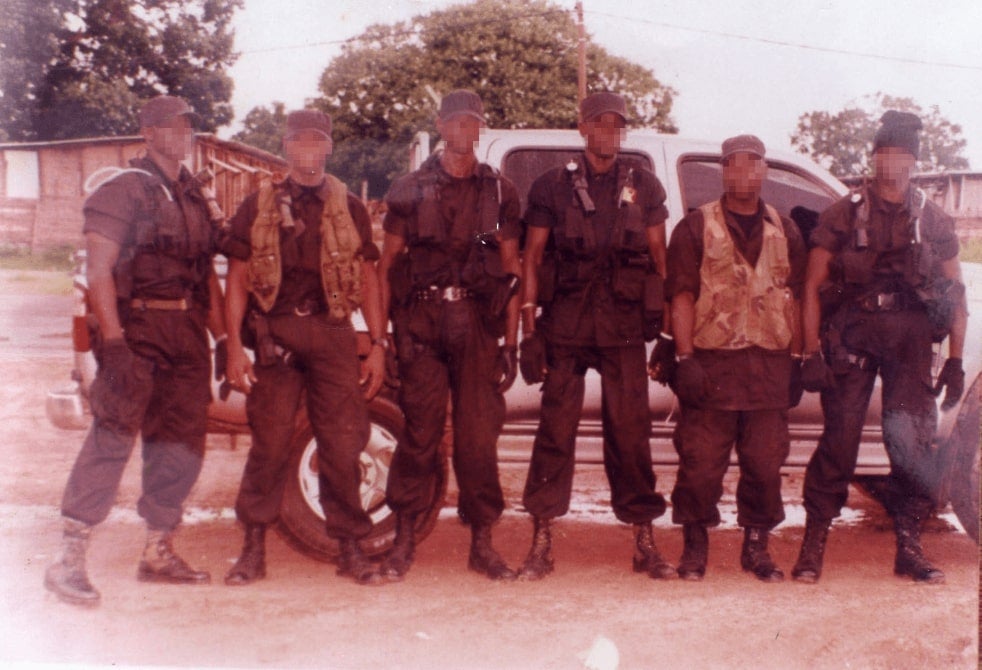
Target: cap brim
293, 133
607, 111
464, 112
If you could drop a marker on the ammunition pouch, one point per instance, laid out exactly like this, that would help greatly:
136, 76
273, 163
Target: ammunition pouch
400, 282
942, 298
654, 306
857, 267
918, 265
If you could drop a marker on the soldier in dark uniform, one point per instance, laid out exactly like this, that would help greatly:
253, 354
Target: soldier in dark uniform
449, 272
594, 260
883, 283
735, 271
149, 244
301, 260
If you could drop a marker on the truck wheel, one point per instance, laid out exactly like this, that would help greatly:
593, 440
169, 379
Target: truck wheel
301, 520
965, 478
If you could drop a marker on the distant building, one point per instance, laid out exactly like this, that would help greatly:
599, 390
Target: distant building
42, 184
959, 193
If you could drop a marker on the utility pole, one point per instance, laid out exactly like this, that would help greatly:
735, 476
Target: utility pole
581, 72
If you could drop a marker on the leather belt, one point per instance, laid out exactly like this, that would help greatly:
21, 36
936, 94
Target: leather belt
443, 294
888, 302
177, 305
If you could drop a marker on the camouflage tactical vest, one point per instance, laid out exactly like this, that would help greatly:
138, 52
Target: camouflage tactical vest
340, 250
741, 306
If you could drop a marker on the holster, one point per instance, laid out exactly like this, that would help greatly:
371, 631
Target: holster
261, 339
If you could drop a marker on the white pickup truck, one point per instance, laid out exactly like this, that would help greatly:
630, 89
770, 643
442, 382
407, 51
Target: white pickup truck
690, 171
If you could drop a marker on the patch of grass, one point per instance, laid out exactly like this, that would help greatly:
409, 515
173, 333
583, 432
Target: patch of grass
35, 282
970, 250
58, 259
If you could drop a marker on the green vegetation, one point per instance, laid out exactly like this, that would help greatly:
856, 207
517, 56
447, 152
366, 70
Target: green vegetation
58, 258
971, 250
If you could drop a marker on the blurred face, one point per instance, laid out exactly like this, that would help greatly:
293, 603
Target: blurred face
306, 151
173, 139
743, 175
603, 134
460, 133
892, 167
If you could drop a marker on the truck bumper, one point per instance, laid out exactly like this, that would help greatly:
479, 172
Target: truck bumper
65, 407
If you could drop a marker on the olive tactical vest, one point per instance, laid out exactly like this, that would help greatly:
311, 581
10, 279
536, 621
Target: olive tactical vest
340, 250
741, 306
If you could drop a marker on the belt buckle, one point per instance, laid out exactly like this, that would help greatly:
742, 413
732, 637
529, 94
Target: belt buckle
449, 294
886, 300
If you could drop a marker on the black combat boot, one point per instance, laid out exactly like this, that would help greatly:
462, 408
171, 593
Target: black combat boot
809, 566
396, 563
539, 561
67, 578
692, 565
646, 556
910, 557
484, 559
754, 557
161, 564
251, 565
353, 563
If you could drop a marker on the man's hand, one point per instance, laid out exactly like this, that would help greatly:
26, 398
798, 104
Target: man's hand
508, 359
661, 364
951, 376
690, 381
815, 374
115, 363
239, 369
533, 359
373, 371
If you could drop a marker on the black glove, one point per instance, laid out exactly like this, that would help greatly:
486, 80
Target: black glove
815, 374
795, 389
116, 364
690, 381
952, 376
533, 359
508, 359
221, 359
661, 364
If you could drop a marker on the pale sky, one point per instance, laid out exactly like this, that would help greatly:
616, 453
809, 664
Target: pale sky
737, 65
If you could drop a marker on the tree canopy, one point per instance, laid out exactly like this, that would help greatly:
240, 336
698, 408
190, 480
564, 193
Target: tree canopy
520, 56
842, 141
263, 127
81, 68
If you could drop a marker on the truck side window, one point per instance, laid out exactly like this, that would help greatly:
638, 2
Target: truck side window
524, 165
785, 187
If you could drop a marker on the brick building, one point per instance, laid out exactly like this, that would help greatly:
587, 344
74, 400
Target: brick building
43, 184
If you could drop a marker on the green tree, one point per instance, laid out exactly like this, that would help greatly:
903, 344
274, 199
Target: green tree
842, 141
520, 56
263, 128
81, 68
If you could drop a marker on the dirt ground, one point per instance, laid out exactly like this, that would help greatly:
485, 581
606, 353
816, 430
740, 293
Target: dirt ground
442, 616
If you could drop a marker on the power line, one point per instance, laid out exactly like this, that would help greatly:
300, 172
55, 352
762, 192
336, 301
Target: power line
794, 45
661, 24
412, 31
